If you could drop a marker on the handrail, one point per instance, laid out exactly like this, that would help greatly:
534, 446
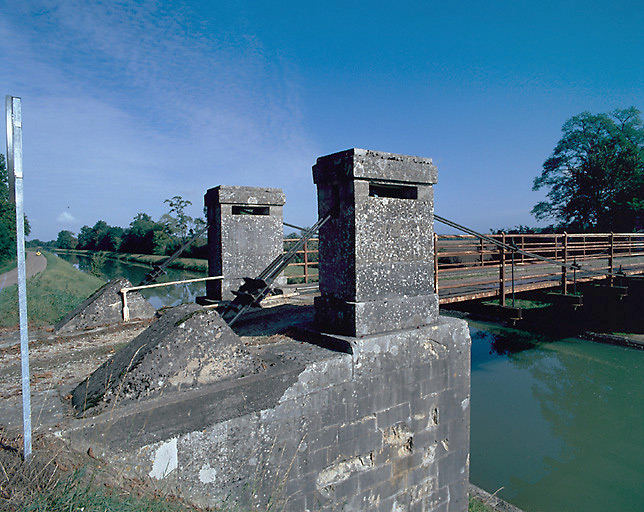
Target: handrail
124, 291
514, 249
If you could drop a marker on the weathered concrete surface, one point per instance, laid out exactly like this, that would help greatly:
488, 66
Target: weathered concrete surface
376, 252
374, 165
383, 428
380, 423
244, 235
105, 307
188, 346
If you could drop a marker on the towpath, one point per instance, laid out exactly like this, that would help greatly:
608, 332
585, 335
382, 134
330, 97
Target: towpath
33, 264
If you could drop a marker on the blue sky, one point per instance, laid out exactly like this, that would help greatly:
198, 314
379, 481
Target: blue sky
128, 103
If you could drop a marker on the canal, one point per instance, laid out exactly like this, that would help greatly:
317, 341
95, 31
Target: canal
134, 272
557, 424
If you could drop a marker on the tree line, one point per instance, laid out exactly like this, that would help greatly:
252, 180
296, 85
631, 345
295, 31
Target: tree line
595, 175
143, 236
7, 217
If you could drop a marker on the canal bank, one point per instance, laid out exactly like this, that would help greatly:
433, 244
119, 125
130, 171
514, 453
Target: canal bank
191, 264
135, 272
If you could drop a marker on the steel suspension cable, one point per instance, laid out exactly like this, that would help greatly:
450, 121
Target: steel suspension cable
515, 249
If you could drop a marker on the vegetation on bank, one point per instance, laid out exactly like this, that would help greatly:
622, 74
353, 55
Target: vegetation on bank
76, 494
50, 294
520, 303
193, 264
477, 505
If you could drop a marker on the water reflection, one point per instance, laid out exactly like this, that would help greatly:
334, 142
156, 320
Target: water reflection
135, 272
558, 424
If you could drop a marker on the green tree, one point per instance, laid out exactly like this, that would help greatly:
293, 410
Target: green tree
100, 237
66, 240
7, 217
139, 238
595, 176
177, 220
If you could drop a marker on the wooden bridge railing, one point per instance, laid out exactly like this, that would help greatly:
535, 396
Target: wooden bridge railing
468, 267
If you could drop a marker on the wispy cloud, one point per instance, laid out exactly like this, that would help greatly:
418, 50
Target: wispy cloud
67, 219
126, 104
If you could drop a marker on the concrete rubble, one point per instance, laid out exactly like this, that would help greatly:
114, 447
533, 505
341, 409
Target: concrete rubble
188, 346
105, 307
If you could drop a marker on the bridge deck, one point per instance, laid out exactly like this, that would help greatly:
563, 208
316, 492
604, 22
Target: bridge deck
481, 282
469, 268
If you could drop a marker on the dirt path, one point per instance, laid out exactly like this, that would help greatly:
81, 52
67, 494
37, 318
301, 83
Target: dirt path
33, 265
57, 365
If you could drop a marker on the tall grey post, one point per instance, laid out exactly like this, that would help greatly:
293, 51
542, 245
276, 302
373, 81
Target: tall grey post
244, 235
376, 252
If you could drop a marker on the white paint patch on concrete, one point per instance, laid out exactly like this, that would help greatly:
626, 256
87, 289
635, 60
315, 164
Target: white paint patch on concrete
207, 474
165, 460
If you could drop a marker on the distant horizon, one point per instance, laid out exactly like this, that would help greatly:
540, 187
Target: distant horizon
129, 104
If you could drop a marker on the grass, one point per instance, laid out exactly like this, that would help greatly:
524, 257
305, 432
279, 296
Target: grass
8, 265
295, 274
57, 479
75, 493
50, 294
476, 505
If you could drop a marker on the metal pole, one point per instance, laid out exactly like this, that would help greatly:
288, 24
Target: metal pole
611, 258
436, 263
512, 278
574, 277
564, 268
14, 168
502, 272
306, 263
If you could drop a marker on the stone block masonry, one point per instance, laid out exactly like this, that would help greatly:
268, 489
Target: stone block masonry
382, 429
376, 252
244, 235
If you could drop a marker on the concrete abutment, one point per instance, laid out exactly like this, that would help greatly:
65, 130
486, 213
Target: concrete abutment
382, 425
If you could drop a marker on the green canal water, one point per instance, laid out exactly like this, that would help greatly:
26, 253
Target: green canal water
158, 297
557, 424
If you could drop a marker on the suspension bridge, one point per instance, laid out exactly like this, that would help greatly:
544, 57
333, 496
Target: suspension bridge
475, 266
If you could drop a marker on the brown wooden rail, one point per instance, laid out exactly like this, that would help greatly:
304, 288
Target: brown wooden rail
470, 268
